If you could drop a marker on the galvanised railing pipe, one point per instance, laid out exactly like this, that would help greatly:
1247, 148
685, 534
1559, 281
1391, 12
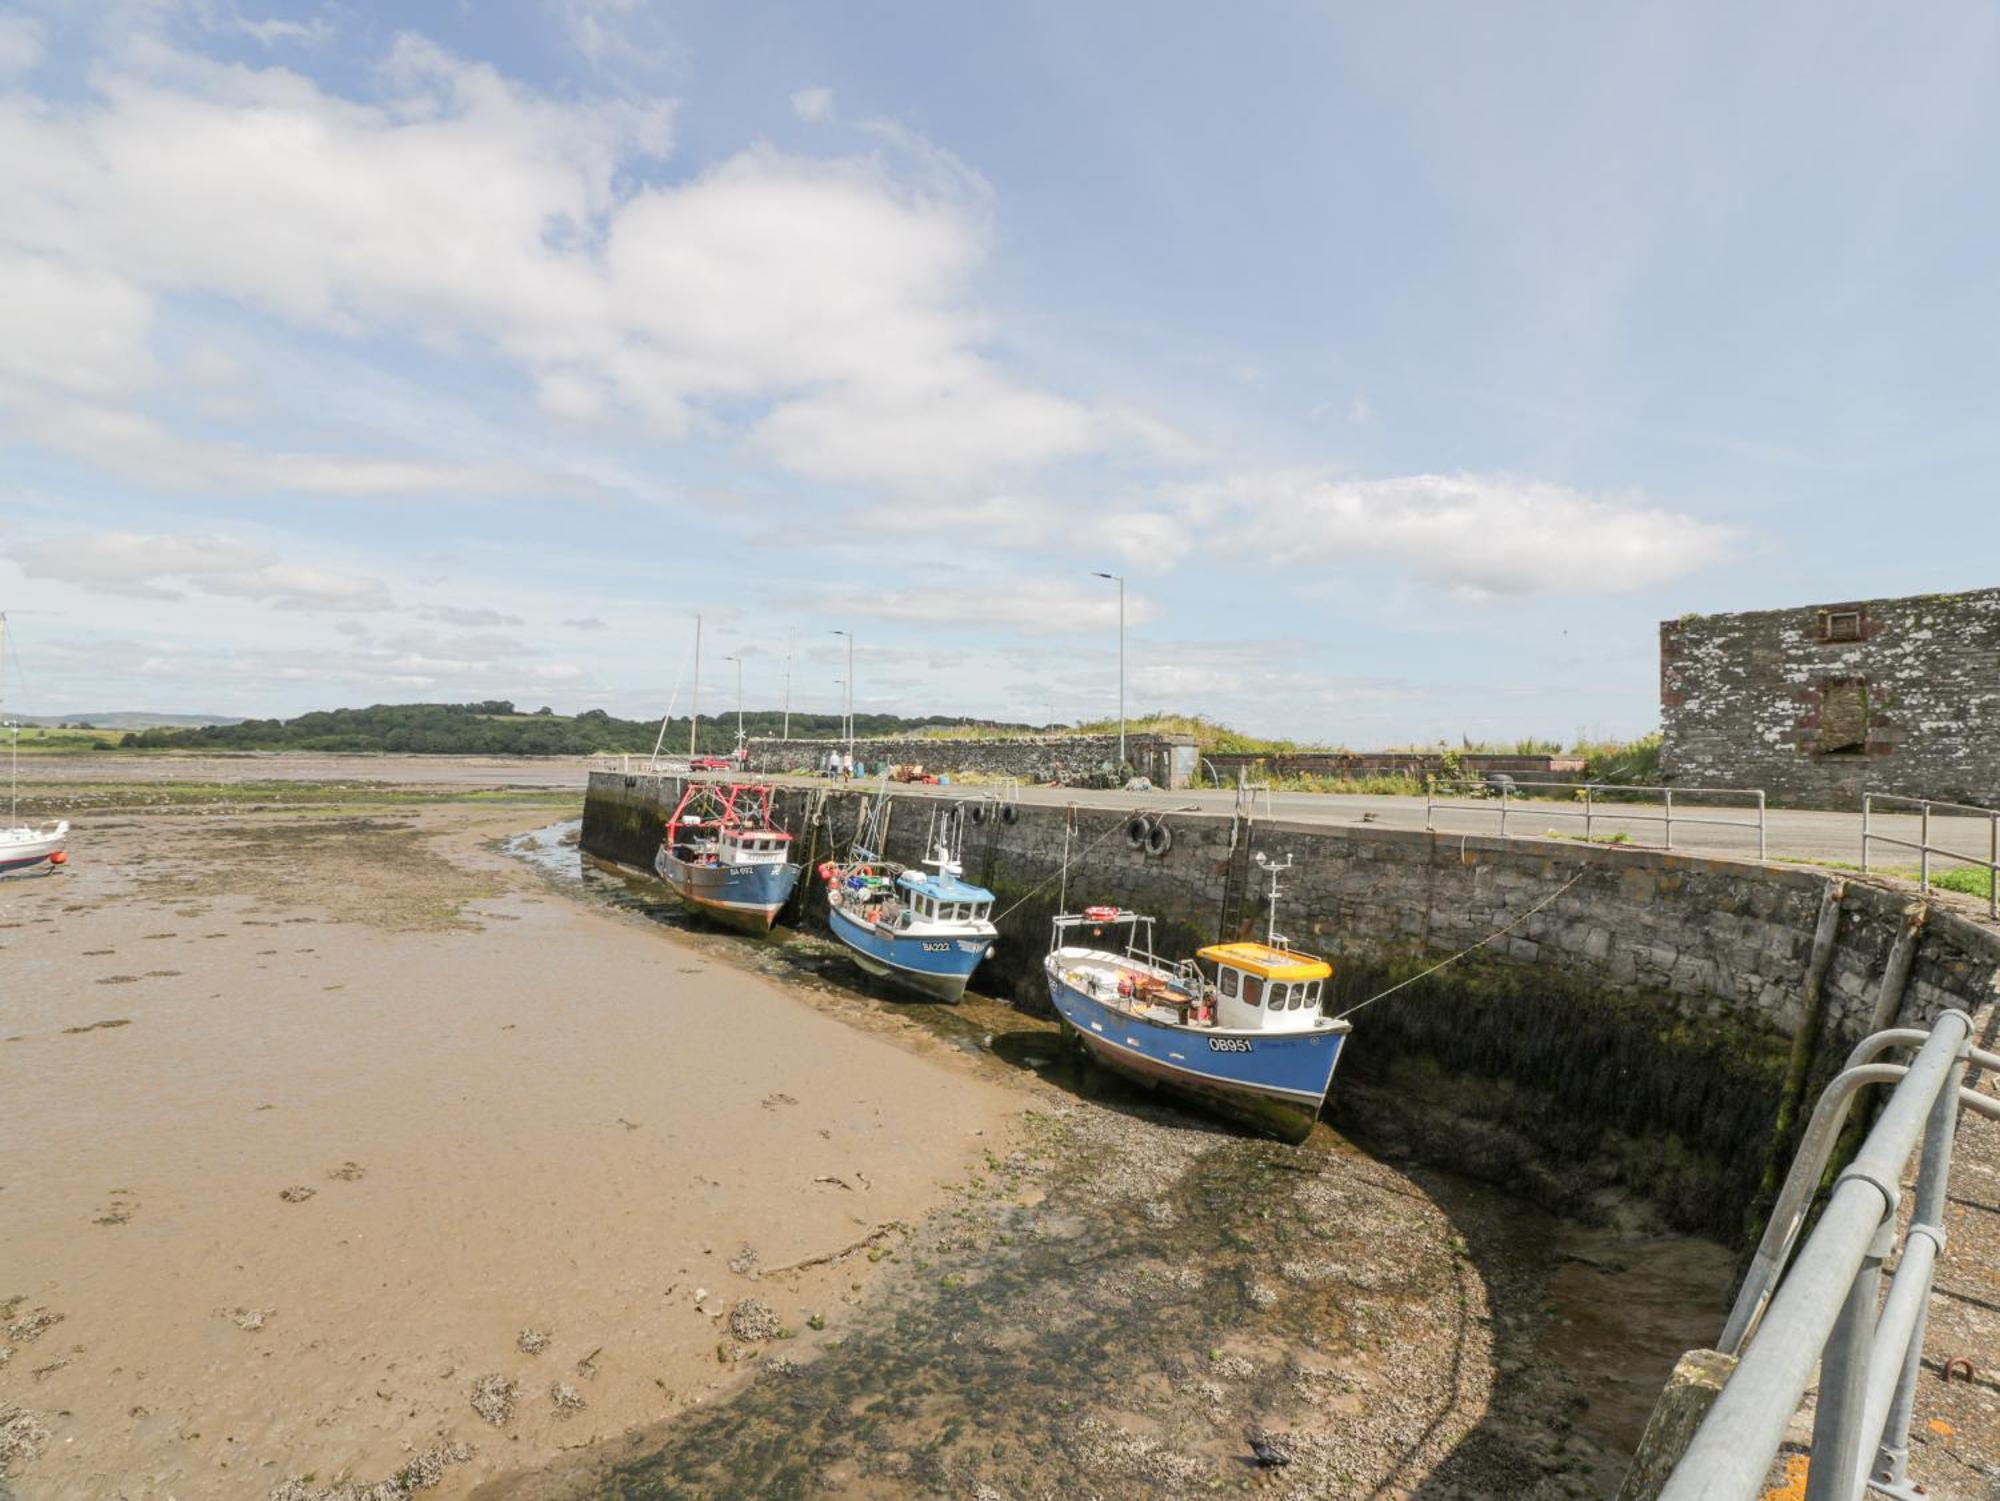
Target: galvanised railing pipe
1825, 1307
1816, 1144
1893, 1389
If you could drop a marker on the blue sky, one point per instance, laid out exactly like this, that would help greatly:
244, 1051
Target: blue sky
1411, 363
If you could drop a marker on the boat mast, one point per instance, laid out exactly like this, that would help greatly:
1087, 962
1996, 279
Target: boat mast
791, 645
14, 748
694, 715
1265, 863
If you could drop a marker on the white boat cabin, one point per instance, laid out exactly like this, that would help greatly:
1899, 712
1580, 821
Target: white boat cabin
753, 847
1258, 988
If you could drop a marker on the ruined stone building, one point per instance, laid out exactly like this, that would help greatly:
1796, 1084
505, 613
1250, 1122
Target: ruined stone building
1820, 703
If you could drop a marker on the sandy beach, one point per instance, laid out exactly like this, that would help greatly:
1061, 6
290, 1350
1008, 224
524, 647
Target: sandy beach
317, 1122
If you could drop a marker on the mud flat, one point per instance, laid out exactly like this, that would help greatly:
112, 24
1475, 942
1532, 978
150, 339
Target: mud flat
341, 1148
359, 1158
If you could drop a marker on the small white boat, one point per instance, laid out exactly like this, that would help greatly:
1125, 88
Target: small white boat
24, 846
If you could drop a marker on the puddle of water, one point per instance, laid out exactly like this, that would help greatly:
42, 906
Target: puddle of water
1111, 1310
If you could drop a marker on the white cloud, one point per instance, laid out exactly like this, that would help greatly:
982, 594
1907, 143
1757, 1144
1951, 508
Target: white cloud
1034, 605
208, 366
814, 104
20, 44
162, 567
1479, 534
72, 327
144, 450
273, 31
1143, 537
824, 305
477, 616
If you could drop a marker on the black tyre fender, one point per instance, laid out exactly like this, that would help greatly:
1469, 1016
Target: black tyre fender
1138, 829
978, 813
1009, 813
1159, 840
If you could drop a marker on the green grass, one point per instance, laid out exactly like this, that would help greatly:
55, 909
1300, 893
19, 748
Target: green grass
1970, 880
1967, 880
48, 740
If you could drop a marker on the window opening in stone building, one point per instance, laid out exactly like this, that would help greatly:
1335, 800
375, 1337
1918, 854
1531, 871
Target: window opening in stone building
1843, 717
1840, 625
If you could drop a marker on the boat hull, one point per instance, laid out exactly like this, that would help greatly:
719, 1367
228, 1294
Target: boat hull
24, 849
936, 968
1271, 1082
745, 897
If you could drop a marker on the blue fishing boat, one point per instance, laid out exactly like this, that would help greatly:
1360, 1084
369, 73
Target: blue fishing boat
725, 856
1244, 1037
923, 929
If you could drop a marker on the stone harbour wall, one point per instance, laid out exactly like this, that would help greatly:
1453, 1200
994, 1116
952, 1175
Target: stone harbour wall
1821, 703
1640, 1025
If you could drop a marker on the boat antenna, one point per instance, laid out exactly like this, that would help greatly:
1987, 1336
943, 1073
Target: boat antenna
1265, 863
694, 711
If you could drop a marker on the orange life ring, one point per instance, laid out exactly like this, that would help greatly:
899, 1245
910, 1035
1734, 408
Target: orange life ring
1100, 914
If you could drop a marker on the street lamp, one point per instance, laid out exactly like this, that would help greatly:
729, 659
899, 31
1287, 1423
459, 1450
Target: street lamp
1119, 580
850, 688
740, 741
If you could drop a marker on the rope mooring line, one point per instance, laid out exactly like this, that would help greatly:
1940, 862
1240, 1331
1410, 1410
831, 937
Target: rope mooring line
1582, 870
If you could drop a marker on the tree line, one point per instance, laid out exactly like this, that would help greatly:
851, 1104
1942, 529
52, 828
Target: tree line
495, 727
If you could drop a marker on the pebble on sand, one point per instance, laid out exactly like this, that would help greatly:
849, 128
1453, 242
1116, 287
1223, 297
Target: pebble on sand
753, 1319
493, 1399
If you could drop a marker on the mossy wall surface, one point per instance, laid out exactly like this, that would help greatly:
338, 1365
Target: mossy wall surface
1624, 1017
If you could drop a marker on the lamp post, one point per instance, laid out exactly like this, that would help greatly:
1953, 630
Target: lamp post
850, 689
1119, 580
740, 742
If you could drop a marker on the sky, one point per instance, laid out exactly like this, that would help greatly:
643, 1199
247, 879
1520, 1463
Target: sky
1410, 364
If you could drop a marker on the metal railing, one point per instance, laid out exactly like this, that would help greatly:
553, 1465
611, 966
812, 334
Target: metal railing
1592, 806
1925, 849
1822, 1310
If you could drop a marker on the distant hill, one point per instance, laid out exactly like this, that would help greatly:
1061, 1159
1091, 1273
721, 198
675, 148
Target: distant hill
130, 719
496, 728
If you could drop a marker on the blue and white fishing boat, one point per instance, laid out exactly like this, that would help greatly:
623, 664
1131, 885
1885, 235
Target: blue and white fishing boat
725, 855
1244, 1038
924, 929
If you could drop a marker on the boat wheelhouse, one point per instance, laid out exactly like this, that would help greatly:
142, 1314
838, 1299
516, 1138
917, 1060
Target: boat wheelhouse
923, 929
1239, 1030
724, 854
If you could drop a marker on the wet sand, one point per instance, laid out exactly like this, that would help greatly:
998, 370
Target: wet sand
311, 1119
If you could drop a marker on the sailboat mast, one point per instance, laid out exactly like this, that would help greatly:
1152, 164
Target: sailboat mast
14, 735
694, 716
